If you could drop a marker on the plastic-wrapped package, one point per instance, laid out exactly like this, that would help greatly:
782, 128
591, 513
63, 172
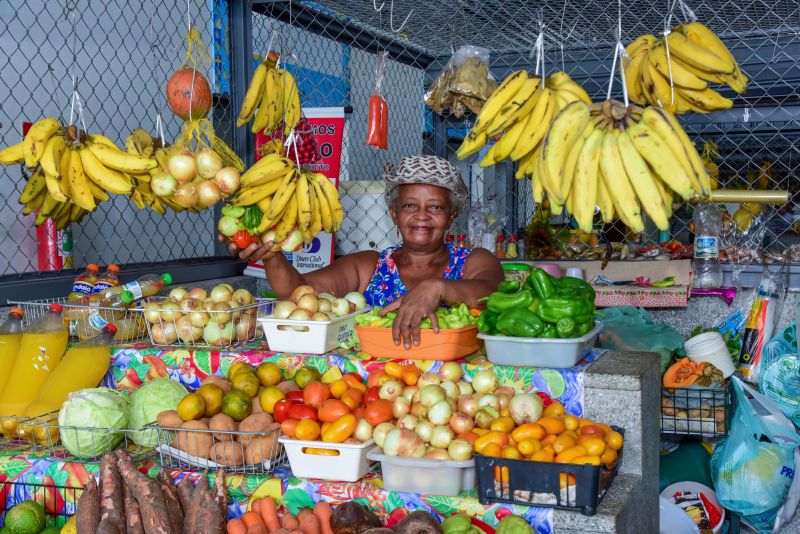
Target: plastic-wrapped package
378, 118
464, 84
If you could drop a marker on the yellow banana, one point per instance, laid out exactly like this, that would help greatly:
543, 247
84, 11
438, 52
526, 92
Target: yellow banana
268, 168
332, 196
633, 76
707, 99
619, 184
658, 87
584, 188
471, 144
36, 139
136, 198
697, 55
536, 180
51, 158
674, 69
316, 212
291, 102
660, 158
118, 160
286, 190
288, 221
106, 178
253, 95
268, 108
140, 143
12, 154
248, 196
536, 126
324, 208
698, 33
80, 190
35, 185
644, 183
505, 145
572, 160
604, 201
499, 98
35, 203
48, 206
640, 44
519, 106
302, 193
564, 131
56, 187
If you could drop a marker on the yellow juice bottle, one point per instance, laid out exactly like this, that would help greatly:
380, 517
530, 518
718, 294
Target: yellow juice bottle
10, 339
83, 366
42, 346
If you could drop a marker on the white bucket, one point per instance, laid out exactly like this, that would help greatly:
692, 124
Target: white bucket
711, 348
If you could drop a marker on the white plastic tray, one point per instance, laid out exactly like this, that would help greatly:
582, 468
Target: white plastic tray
317, 337
536, 351
418, 475
350, 465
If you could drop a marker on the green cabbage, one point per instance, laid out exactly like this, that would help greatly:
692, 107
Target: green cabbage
145, 403
103, 409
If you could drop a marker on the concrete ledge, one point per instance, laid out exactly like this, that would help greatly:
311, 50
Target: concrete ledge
620, 370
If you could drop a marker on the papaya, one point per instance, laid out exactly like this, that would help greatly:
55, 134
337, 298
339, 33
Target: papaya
683, 373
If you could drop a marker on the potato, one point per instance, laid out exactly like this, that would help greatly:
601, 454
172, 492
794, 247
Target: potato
288, 385
169, 419
228, 453
257, 422
220, 381
260, 448
256, 405
222, 423
194, 442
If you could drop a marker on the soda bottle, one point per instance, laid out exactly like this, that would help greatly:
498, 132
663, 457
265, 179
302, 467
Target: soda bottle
42, 346
707, 227
109, 279
83, 284
146, 286
83, 366
103, 312
10, 339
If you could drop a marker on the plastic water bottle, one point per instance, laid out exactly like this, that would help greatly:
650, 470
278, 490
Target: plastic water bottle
707, 227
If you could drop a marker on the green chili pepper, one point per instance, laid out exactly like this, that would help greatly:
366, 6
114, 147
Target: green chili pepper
508, 286
519, 323
500, 302
549, 332
566, 327
233, 211
553, 309
487, 322
541, 283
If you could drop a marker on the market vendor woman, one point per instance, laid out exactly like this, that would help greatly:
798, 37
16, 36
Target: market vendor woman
424, 197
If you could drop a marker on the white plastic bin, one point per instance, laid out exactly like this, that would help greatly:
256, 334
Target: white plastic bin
537, 352
418, 475
308, 337
349, 465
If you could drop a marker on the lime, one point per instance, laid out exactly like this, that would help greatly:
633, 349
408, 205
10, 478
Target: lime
191, 407
304, 375
236, 404
268, 374
25, 518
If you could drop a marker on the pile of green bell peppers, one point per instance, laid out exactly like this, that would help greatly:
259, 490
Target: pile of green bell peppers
448, 318
544, 307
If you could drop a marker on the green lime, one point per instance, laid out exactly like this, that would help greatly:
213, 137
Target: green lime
25, 518
305, 375
236, 404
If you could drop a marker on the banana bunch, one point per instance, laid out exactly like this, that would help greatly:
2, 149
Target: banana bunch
271, 99
72, 171
624, 160
519, 112
295, 203
679, 82
711, 151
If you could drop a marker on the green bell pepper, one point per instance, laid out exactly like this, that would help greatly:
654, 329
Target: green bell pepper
549, 332
519, 323
569, 287
581, 329
541, 283
487, 322
509, 286
513, 524
553, 309
500, 302
535, 304
566, 327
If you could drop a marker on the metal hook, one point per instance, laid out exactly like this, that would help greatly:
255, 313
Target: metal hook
391, 18
375, 6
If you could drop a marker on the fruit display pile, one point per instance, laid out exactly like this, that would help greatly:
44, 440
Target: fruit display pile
545, 307
446, 317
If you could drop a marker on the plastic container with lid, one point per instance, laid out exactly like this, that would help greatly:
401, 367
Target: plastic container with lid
420, 475
516, 271
710, 347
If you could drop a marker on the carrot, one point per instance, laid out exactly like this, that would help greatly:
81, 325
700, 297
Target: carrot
252, 518
257, 529
323, 512
256, 506
309, 523
289, 521
236, 526
296, 531
269, 513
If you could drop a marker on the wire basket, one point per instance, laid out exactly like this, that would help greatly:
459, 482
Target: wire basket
699, 412
235, 451
60, 501
170, 326
10, 440
85, 320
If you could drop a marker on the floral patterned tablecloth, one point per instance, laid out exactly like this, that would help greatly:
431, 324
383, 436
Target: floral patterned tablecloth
132, 366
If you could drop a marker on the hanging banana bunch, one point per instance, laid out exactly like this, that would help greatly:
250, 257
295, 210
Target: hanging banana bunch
272, 99
675, 72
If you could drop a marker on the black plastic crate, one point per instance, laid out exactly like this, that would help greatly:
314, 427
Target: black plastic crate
59, 501
699, 412
539, 483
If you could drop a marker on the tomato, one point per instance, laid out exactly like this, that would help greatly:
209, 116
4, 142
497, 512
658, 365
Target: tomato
307, 430
546, 400
315, 393
352, 398
379, 411
469, 436
243, 239
359, 412
332, 409
340, 430
289, 426
372, 394
355, 382
281, 410
295, 396
393, 369
376, 378
410, 375
354, 375
339, 387
301, 411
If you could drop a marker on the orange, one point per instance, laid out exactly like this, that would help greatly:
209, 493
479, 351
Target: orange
543, 455
192, 406
594, 446
591, 460
571, 422
609, 457
502, 424
268, 397
567, 456
247, 382
237, 368
212, 395
563, 443
339, 387
492, 449
307, 430
528, 430
513, 454
593, 429
268, 374
553, 425
549, 439
556, 408
614, 440
565, 479
529, 446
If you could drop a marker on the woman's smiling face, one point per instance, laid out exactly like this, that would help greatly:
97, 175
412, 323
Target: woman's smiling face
423, 214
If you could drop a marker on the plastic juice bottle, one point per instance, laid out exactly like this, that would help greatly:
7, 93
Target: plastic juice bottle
109, 279
83, 366
42, 346
103, 312
84, 283
10, 339
146, 286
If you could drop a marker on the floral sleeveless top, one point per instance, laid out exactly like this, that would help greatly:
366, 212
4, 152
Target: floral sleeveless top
386, 285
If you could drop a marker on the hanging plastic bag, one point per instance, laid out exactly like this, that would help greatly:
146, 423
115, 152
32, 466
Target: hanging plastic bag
378, 118
780, 372
753, 469
464, 83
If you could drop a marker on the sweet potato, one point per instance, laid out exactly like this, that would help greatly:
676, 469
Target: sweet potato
171, 500
147, 493
323, 512
112, 505
184, 490
269, 513
88, 513
309, 523
133, 518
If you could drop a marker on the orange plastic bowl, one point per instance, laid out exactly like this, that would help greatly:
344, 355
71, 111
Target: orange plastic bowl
447, 345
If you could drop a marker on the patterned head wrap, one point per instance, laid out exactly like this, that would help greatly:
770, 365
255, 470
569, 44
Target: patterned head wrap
428, 170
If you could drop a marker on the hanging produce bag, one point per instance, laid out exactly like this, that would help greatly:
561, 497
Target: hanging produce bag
464, 84
378, 119
188, 91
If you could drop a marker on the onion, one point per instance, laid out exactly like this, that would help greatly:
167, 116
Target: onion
400, 407
320, 316
308, 302
430, 395
450, 389
227, 180
198, 318
484, 381
464, 388
208, 163
460, 450
246, 328
186, 195
283, 308
488, 400
418, 410
300, 315
424, 430
294, 242
391, 389
402, 442
182, 166
324, 304
525, 408
380, 431
221, 312
188, 304
243, 297
451, 371
299, 291
328, 296
363, 432
460, 423
208, 305
187, 332
221, 293
164, 334
505, 390
485, 416
437, 454
198, 293
502, 401
468, 405
163, 184
340, 307
151, 312
439, 414
207, 193
268, 237
453, 403
170, 310
441, 437
427, 379
409, 392
357, 299
218, 335
408, 421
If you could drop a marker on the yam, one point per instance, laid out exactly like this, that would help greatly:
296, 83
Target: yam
261, 448
190, 515
133, 517
193, 440
112, 505
184, 490
220, 381
107, 526
147, 493
171, 500
223, 423
353, 518
88, 513
169, 419
257, 422
228, 453
209, 516
221, 495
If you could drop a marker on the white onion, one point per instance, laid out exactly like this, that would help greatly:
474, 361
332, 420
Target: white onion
450, 389
441, 437
485, 416
186, 195
208, 163
320, 316
308, 302
426, 379
182, 166
439, 414
408, 421
437, 454
283, 308
460, 423
189, 304
488, 400
187, 332
243, 297
391, 389
424, 429
363, 431
525, 408
400, 407
465, 388
380, 431
164, 334
357, 299
207, 193
152, 312
170, 310
221, 293
300, 314
451, 371
431, 394
340, 307
221, 312
324, 305
484, 381
468, 405
198, 318
300, 291
409, 392
163, 184
227, 180
460, 449
218, 335
418, 410
246, 328
198, 293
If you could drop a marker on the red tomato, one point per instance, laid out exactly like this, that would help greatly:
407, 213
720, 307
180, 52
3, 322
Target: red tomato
332, 409
372, 395
378, 412
281, 410
546, 400
243, 239
315, 393
288, 427
295, 396
301, 411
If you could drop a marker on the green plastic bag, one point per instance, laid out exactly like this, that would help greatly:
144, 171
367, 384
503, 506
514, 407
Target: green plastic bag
627, 328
